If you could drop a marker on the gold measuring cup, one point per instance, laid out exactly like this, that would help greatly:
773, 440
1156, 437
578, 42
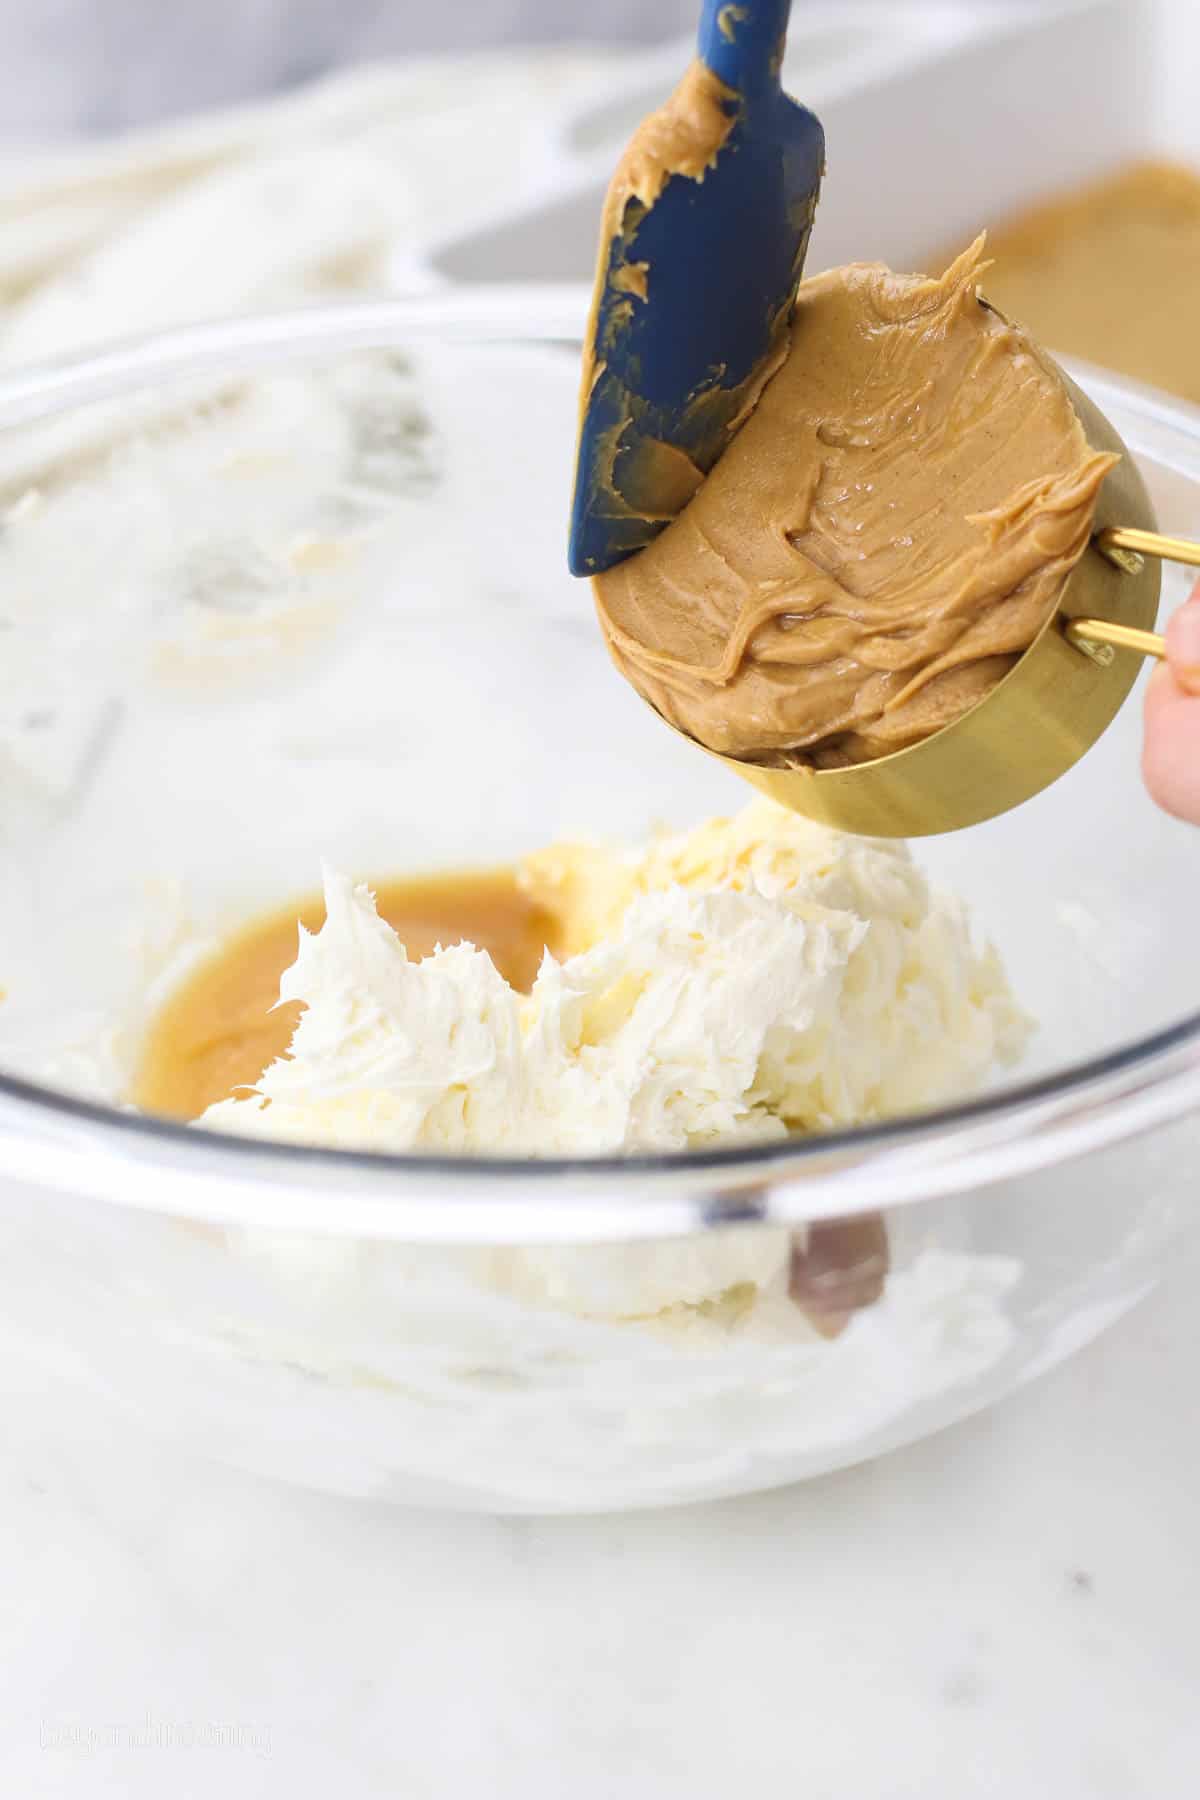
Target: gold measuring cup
1047, 711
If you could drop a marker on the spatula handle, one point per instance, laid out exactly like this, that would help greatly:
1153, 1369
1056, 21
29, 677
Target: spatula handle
742, 41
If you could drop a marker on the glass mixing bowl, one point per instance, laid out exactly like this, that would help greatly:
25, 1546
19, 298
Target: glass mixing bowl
295, 588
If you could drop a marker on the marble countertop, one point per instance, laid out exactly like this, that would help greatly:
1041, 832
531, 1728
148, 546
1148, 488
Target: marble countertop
1007, 1609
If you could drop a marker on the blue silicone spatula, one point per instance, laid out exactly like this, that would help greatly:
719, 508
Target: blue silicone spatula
705, 234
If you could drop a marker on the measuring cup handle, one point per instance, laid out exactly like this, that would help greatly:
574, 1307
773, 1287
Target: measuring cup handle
1095, 636
1098, 637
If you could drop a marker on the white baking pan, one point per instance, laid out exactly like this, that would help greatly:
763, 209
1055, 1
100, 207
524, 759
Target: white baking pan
941, 117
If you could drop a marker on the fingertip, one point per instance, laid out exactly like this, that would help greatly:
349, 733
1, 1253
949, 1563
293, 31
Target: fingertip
1183, 644
1161, 679
1171, 748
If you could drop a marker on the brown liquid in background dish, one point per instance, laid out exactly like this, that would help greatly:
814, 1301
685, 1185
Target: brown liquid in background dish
218, 1033
1110, 273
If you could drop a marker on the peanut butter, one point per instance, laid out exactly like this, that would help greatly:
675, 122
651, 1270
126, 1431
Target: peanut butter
891, 528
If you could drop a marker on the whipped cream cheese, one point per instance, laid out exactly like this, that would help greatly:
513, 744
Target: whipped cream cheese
754, 977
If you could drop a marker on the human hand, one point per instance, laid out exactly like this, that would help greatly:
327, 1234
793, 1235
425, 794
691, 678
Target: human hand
1171, 757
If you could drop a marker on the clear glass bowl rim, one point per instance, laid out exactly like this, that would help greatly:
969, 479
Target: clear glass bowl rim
52, 1139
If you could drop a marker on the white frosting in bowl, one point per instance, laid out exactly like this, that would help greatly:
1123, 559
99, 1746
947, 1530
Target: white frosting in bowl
756, 976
